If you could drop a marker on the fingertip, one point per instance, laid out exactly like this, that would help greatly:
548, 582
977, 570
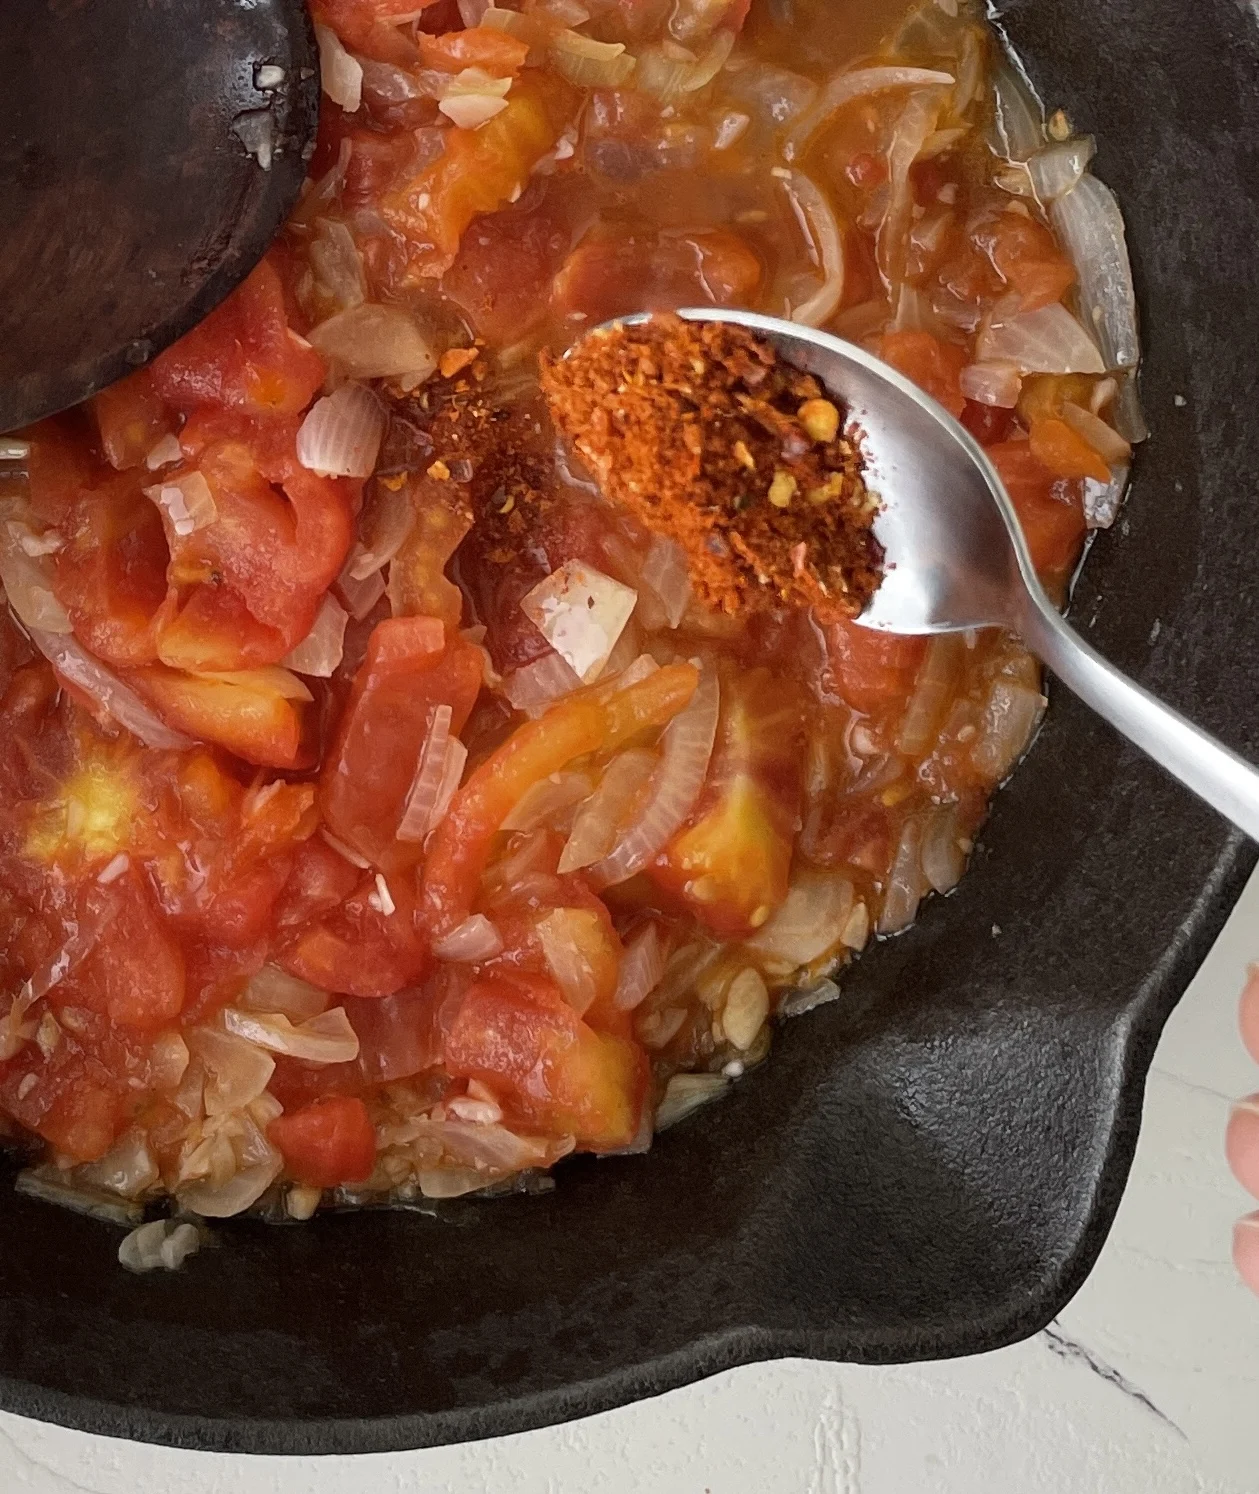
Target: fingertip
1241, 1143
1249, 1014
1246, 1250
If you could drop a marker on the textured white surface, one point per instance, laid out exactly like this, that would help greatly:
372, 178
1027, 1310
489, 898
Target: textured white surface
1149, 1384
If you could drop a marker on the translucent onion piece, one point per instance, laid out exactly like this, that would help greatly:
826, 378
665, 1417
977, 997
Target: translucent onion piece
1009, 719
186, 502
905, 882
340, 75
341, 434
1090, 228
452, 776
562, 936
1049, 340
151, 1246
240, 1192
50, 1185
1018, 120
474, 939
669, 76
1102, 500
933, 690
127, 1168
321, 650
913, 127
375, 342
1103, 438
1056, 168
664, 591
852, 84
996, 384
773, 96
337, 264
28, 582
163, 453
275, 990
429, 770
594, 829
799, 1002
641, 968
360, 594
81, 669
386, 529
493, 1150
581, 613
237, 1072
943, 859
685, 1093
470, 110
687, 745
534, 687
589, 63
819, 224
324, 1038
547, 800
809, 921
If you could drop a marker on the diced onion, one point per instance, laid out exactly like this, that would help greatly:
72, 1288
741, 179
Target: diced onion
321, 650
238, 1072
1018, 120
914, 125
943, 858
240, 1192
685, 1093
1056, 168
127, 1167
429, 771
164, 453
275, 990
687, 745
326, 1037
581, 613
360, 594
809, 922
992, 383
473, 940
81, 669
337, 264
905, 882
372, 341
340, 75
933, 689
186, 502
341, 434
159, 1245
668, 74
472, 97
664, 591
589, 63
452, 776
856, 83
561, 935
387, 527
594, 829
1103, 438
1009, 718
1048, 340
1090, 227
641, 968
818, 221
28, 582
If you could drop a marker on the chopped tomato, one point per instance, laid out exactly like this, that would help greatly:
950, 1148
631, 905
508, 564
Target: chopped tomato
250, 713
372, 27
321, 878
493, 51
327, 1143
730, 864
502, 274
131, 417
418, 584
477, 172
376, 160
869, 670
554, 1070
365, 946
409, 672
1025, 255
1042, 396
987, 423
1050, 508
243, 356
933, 365
59, 467
1064, 451
610, 275
590, 721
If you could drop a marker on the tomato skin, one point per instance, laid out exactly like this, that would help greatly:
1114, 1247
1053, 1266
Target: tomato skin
869, 670
246, 715
1050, 508
555, 1071
933, 365
356, 948
242, 356
409, 671
494, 52
328, 1142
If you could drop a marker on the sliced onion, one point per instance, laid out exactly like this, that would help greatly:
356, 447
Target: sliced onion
321, 650
666, 582
641, 968
337, 264
934, 688
390, 521
28, 582
237, 1071
914, 125
547, 800
324, 1038
452, 776
372, 341
492, 1149
773, 95
340, 75
473, 940
798, 1002
360, 594
685, 1093
430, 768
669, 71
472, 97
943, 858
186, 502
1102, 500
581, 613
687, 746
995, 384
1103, 438
79, 668
1090, 227
563, 933
589, 63
1057, 168
240, 1192
50, 1185
819, 224
275, 990
164, 453
126, 1168
341, 434
809, 922
1010, 716
594, 829
1049, 340
534, 687
905, 882
852, 84
472, 12
1018, 120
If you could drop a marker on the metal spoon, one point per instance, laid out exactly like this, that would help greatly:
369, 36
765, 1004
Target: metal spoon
149, 151
956, 557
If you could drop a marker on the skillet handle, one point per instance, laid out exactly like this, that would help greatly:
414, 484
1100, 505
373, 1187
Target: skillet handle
1214, 772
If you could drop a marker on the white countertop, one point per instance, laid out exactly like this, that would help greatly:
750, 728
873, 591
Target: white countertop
1148, 1384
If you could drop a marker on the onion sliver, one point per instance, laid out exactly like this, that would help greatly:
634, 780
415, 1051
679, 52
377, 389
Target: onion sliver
905, 881
360, 593
589, 63
817, 219
853, 84
581, 613
1018, 120
28, 582
79, 668
275, 990
320, 652
238, 1071
995, 384
340, 75
1056, 169
641, 968
474, 939
1049, 340
1103, 438
341, 435
547, 799
386, 528
1090, 227
375, 342
563, 934
186, 502
664, 585
595, 826
809, 922
1009, 718
240, 1192
430, 769
326, 1037
533, 687
687, 746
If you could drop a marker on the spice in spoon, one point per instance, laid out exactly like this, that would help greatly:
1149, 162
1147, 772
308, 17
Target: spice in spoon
707, 436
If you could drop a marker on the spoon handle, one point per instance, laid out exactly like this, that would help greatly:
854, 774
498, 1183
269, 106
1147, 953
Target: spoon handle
1214, 772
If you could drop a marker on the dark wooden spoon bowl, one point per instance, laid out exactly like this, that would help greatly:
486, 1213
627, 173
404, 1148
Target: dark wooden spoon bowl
149, 152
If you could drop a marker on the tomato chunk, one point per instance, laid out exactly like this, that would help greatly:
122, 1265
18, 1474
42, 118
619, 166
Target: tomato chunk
494, 52
558, 1073
328, 1142
365, 946
131, 417
1065, 452
871, 671
1050, 508
249, 713
933, 365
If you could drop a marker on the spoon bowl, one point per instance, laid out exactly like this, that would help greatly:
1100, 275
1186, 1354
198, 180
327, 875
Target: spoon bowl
955, 556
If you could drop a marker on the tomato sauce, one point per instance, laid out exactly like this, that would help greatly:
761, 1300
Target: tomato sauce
379, 810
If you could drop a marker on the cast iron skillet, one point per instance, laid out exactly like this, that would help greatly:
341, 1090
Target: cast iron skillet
926, 1168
